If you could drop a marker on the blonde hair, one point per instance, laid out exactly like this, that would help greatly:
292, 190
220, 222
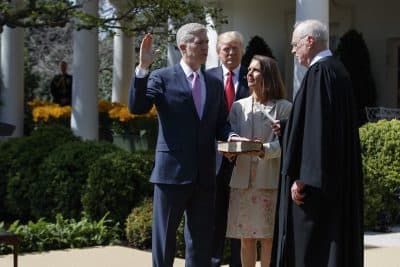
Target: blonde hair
228, 37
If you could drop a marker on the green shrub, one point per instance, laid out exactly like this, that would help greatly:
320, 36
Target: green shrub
380, 145
64, 233
138, 225
19, 161
116, 182
62, 177
138, 229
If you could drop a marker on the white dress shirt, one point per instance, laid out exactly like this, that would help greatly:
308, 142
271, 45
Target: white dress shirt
321, 55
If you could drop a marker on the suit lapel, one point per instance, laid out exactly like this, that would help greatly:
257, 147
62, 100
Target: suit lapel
181, 79
242, 90
209, 94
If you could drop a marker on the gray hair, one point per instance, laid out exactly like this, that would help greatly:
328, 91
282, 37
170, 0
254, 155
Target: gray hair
228, 37
314, 28
187, 32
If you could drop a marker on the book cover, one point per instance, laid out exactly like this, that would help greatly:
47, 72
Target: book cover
239, 146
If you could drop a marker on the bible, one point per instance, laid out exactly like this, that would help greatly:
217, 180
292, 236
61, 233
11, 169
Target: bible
239, 146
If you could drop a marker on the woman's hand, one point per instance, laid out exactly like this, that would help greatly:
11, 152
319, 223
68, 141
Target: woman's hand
276, 127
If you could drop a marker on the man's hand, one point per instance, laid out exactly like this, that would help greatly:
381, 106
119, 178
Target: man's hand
297, 192
237, 138
146, 55
230, 156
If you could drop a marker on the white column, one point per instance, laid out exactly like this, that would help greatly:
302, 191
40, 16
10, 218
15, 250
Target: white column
12, 76
84, 117
212, 59
173, 53
308, 9
123, 62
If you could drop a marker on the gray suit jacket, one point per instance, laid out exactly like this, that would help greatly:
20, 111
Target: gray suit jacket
252, 123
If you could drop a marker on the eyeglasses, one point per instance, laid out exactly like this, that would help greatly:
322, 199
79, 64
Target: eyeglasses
296, 43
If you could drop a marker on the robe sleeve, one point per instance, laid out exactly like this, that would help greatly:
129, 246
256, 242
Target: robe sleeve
318, 153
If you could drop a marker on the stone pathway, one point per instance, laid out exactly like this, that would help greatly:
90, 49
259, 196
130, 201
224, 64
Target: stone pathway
381, 250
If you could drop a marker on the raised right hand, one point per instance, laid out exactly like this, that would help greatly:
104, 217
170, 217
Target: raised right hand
147, 55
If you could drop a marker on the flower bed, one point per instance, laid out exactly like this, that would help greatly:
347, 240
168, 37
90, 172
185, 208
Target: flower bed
114, 119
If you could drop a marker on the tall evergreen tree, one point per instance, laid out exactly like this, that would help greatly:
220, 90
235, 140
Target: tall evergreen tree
353, 52
256, 46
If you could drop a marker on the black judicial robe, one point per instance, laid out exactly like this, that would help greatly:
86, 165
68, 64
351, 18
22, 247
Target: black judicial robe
320, 146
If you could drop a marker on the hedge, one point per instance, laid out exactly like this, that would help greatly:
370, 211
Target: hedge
138, 229
49, 172
19, 161
116, 182
380, 146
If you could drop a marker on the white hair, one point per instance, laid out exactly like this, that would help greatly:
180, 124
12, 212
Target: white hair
187, 32
314, 28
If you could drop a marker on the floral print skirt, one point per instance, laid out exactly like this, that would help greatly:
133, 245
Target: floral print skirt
251, 213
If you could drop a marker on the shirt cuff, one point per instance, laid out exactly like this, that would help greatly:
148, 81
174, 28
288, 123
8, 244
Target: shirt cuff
141, 73
272, 149
231, 135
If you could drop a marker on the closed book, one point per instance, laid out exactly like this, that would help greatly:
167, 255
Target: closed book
239, 146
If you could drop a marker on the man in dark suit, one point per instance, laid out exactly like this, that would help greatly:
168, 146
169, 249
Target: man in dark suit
230, 51
192, 114
61, 86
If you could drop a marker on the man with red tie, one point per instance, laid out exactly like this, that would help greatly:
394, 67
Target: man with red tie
233, 77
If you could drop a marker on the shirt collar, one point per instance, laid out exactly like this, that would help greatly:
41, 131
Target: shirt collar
321, 55
187, 70
235, 71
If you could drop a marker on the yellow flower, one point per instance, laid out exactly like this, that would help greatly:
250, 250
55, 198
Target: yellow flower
120, 112
44, 111
104, 105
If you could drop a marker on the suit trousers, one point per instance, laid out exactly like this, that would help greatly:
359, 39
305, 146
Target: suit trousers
171, 202
221, 216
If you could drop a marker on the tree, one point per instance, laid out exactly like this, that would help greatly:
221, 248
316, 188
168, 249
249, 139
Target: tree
50, 24
353, 52
256, 46
134, 16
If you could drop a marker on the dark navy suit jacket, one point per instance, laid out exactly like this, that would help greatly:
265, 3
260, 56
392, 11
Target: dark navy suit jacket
242, 92
185, 148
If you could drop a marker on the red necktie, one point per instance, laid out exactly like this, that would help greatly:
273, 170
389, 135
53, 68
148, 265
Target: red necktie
229, 90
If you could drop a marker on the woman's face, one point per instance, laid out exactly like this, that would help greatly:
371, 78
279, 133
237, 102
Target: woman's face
254, 76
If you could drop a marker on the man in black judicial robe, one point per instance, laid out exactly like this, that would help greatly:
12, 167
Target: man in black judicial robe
319, 210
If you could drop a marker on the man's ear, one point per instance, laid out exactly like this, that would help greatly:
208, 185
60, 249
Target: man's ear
182, 48
310, 41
